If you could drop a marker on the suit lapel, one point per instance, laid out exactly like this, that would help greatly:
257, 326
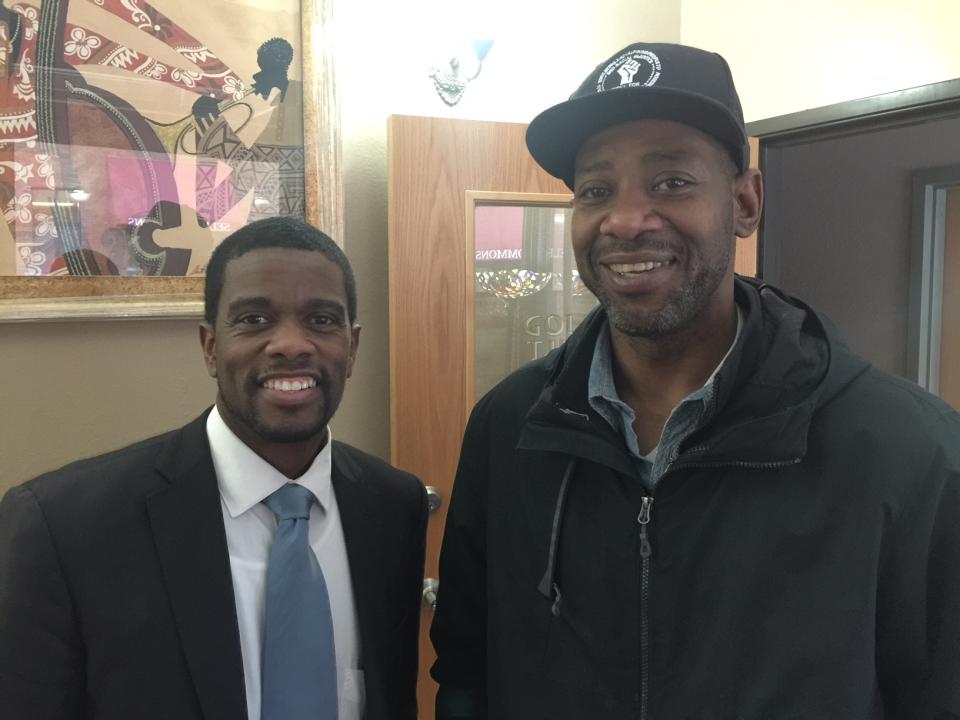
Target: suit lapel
357, 501
187, 525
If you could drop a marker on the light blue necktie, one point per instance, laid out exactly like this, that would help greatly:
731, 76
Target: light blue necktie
299, 670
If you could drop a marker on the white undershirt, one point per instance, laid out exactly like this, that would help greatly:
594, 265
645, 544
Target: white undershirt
245, 480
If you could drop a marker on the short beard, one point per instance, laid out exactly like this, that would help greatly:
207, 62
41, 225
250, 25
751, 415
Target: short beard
251, 421
284, 435
681, 307
679, 310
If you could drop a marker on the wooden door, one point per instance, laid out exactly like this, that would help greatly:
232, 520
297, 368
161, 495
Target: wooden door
433, 163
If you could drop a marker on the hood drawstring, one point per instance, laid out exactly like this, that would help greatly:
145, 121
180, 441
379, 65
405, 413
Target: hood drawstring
548, 586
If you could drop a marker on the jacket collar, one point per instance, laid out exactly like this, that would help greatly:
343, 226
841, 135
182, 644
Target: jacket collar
187, 525
766, 392
563, 405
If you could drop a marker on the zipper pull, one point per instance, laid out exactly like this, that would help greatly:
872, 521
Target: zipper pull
644, 519
555, 608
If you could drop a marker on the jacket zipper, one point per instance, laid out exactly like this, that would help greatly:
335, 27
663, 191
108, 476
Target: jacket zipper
729, 463
550, 589
645, 551
735, 463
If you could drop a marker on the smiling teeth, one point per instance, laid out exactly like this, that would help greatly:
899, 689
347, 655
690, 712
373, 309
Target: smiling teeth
625, 268
290, 385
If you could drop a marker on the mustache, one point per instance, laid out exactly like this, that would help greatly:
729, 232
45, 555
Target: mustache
290, 366
645, 241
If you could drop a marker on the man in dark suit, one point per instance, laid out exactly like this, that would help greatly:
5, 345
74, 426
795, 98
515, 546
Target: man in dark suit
141, 583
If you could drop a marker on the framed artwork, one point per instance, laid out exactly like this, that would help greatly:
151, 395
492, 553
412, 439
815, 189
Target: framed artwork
136, 134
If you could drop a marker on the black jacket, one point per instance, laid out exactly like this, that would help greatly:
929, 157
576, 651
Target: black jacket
116, 598
800, 557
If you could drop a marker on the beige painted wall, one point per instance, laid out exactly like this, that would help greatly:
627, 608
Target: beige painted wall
787, 57
542, 50
71, 390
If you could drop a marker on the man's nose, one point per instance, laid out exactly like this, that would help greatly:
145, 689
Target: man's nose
290, 339
630, 214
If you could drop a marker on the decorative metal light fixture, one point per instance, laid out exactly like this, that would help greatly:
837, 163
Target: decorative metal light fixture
451, 81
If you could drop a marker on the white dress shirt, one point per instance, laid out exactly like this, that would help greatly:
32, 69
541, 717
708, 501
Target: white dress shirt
245, 480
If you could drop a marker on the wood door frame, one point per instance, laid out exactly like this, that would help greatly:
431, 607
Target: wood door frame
473, 200
936, 101
927, 246
949, 389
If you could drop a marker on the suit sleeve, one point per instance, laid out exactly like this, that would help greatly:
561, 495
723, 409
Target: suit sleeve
410, 643
41, 661
918, 626
459, 624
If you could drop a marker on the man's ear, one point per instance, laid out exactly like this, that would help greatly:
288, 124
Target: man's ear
208, 343
748, 196
354, 346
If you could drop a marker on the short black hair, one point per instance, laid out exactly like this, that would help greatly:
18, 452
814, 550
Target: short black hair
274, 232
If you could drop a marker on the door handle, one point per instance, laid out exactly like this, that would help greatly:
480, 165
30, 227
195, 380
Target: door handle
430, 587
434, 498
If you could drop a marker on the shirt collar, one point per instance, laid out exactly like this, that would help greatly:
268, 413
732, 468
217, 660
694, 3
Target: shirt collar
600, 384
736, 339
601, 387
245, 478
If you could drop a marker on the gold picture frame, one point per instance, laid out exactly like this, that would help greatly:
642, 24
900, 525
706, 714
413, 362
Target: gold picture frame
103, 297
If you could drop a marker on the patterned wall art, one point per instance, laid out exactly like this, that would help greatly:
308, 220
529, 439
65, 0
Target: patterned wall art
136, 135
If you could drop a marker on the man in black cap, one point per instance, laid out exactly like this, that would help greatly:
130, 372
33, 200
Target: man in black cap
703, 505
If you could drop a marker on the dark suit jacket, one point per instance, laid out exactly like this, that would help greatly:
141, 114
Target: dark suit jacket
116, 599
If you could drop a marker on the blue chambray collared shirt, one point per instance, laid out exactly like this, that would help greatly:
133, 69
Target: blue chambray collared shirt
684, 419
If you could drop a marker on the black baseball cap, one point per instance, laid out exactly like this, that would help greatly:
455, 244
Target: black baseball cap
644, 81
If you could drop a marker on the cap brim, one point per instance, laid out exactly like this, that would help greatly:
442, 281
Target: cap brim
555, 136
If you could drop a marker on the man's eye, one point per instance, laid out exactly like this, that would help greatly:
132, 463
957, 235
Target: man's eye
324, 320
673, 183
252, 319
592, 192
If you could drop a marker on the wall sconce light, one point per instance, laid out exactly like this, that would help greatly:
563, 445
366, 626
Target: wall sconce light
451, 81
